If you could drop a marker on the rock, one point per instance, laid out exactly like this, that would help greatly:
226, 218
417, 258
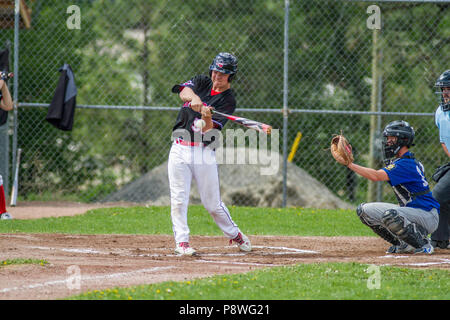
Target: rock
241, 185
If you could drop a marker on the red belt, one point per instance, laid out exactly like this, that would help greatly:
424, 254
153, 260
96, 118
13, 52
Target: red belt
188, 143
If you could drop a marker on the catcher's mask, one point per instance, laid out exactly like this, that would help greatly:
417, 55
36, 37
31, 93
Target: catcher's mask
226, 63
404, 134
444, 82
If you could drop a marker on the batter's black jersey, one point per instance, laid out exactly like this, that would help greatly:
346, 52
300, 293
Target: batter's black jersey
202, 86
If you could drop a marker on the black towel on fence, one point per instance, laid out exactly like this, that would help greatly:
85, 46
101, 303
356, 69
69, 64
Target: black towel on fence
61, 111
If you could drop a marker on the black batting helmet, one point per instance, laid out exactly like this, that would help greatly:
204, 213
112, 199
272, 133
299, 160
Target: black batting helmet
226, 63
405, 137
443, 82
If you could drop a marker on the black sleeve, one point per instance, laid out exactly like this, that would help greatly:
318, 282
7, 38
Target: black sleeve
196, 83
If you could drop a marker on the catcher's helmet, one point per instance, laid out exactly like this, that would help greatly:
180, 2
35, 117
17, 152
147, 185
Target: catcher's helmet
443, 82
405, 137
226, 63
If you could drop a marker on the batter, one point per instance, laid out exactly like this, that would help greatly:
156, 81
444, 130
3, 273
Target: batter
192, 155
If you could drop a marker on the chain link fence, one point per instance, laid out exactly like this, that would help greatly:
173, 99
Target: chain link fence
349, 65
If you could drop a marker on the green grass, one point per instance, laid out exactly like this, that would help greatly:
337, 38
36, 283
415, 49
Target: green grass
19, 261
156, 220
325, 281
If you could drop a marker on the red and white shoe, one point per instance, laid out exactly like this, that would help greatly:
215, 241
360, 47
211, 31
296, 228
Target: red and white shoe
242, 242
184, 249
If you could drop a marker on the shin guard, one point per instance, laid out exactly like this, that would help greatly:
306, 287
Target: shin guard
413, 234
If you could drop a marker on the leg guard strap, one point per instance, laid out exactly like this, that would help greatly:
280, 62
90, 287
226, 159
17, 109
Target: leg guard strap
413, 234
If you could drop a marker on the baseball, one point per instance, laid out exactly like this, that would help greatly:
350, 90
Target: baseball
200, 123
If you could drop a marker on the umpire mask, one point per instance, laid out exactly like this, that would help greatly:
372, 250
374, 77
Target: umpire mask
443, 86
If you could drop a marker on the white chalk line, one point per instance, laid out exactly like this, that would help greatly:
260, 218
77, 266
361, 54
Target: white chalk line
281, 251
294, 250
439, 261
394, 257
126, 274
88, 278
255, 264
424, 264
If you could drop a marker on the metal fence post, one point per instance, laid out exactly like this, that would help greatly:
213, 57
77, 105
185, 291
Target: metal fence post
16, 80
285, 98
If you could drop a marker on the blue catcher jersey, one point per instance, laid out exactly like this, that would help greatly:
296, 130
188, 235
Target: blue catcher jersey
407, 178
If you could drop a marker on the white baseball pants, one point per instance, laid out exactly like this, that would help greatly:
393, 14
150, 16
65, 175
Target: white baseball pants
185, 163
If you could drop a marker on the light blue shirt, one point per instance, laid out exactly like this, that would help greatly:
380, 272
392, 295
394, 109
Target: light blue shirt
442, 120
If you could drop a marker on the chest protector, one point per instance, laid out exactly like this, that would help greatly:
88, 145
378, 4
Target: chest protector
403, 195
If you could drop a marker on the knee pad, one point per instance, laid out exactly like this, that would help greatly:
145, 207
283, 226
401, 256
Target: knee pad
393, 221
361, 214
378, 229
359, 209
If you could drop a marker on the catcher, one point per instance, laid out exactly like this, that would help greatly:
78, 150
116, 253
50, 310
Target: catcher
405, 226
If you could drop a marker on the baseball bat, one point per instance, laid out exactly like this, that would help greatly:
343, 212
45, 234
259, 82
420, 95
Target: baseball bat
251, 124
16, 180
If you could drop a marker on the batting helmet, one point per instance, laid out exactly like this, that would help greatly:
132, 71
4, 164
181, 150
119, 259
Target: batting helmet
226, 63
405, 137
443, 82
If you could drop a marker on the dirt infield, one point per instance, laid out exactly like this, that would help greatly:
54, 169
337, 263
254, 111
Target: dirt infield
78, 263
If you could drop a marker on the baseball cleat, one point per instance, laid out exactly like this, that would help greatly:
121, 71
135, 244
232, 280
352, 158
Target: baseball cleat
427, 249
401, 248
184, 249
242, 242
5, 216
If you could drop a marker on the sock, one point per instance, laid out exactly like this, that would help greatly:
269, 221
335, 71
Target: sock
2, 200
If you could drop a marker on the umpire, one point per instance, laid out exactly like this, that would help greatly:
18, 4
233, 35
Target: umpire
441, 191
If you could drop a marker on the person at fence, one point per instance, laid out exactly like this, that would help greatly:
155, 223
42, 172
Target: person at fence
441, 191
6, 105
192, 125
405, 226
6, 102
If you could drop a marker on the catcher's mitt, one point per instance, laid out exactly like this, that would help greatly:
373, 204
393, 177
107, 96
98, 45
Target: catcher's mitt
341, 150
